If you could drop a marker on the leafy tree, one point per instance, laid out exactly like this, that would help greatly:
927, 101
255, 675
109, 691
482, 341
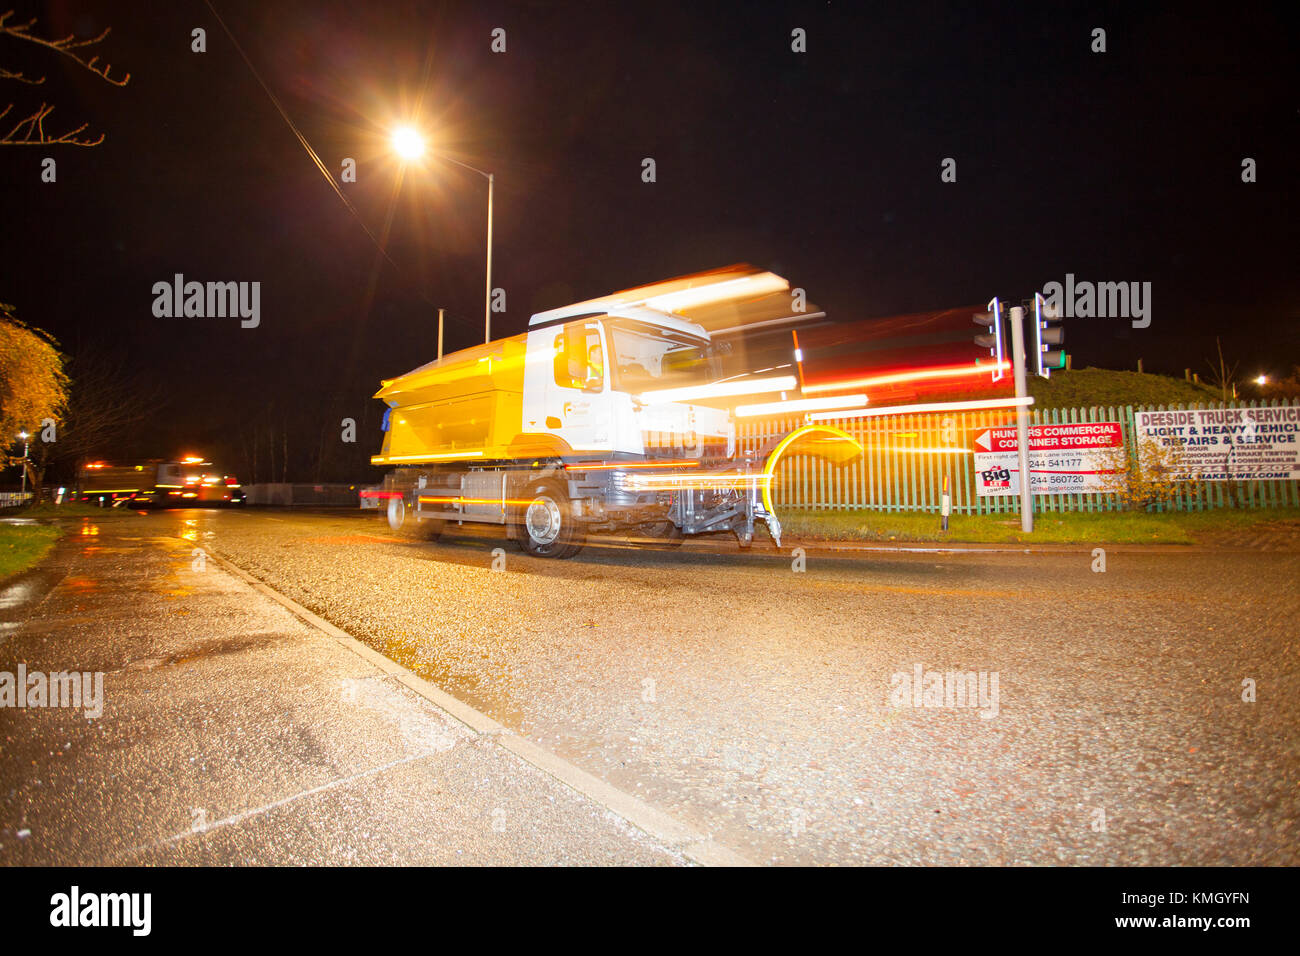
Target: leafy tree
33, 385
1151, 474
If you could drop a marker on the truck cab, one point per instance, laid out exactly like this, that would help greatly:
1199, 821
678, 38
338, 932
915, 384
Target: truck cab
605, 384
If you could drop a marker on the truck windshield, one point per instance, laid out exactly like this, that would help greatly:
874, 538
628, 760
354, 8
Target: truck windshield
646, 357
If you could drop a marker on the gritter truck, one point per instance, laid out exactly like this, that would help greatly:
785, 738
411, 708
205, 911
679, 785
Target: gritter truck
606, 416
173, 484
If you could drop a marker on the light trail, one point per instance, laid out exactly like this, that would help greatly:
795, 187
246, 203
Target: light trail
922, 409
912, 375
778, 383
800, 405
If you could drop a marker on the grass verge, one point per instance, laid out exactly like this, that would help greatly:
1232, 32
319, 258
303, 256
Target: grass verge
22, 545
71, 509
1102, 527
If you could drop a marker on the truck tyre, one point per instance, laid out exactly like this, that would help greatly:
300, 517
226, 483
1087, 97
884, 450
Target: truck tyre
544, 524
401, 520
396, 513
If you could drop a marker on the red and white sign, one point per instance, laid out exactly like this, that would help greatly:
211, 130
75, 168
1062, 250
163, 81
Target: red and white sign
1054, 437
1063, 459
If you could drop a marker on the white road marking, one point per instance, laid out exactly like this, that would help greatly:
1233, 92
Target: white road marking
275, 804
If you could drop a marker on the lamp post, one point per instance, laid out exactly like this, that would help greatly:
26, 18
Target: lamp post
409, 145
24, 436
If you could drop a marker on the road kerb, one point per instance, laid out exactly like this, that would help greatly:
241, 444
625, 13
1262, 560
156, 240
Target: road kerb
695, 846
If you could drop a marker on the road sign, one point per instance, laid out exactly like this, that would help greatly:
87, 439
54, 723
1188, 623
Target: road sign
1224, 444
1063, 459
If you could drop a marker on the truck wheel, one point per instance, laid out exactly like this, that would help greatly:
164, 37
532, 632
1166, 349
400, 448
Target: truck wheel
399, 520
396, 513
545, 526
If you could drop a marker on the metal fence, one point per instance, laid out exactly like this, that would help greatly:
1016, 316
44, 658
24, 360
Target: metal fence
287, 494
905, 458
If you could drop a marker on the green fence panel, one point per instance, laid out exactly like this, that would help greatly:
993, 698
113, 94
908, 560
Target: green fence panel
905, 460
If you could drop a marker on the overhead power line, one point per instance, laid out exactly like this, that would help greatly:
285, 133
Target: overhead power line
315, 158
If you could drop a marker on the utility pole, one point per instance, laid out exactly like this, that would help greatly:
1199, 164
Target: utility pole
487, 305
1022, 417
26, 439
440, 312
487, 290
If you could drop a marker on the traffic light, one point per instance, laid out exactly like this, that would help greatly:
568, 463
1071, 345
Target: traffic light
993, 341
1047, 334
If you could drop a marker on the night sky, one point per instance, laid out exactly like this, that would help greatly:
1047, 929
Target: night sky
823, 166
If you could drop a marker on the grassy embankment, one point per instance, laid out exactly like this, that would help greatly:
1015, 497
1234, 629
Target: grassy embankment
1100, 388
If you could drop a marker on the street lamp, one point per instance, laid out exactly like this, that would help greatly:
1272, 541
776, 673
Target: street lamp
1261, 380
409, 145
23, 436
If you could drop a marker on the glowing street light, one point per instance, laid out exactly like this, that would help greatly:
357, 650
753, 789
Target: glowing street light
1261, 380
409, 145
23, 437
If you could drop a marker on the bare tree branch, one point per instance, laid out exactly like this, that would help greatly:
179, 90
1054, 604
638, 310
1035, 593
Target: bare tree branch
20, 77
31, 130
64, 46
1223, 377
21, 134
107, 402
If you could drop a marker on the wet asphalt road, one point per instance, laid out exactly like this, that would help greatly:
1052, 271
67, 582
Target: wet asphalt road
227, 731
753, 701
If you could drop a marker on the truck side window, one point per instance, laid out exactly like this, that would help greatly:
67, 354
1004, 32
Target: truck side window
564, 373
579, 359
